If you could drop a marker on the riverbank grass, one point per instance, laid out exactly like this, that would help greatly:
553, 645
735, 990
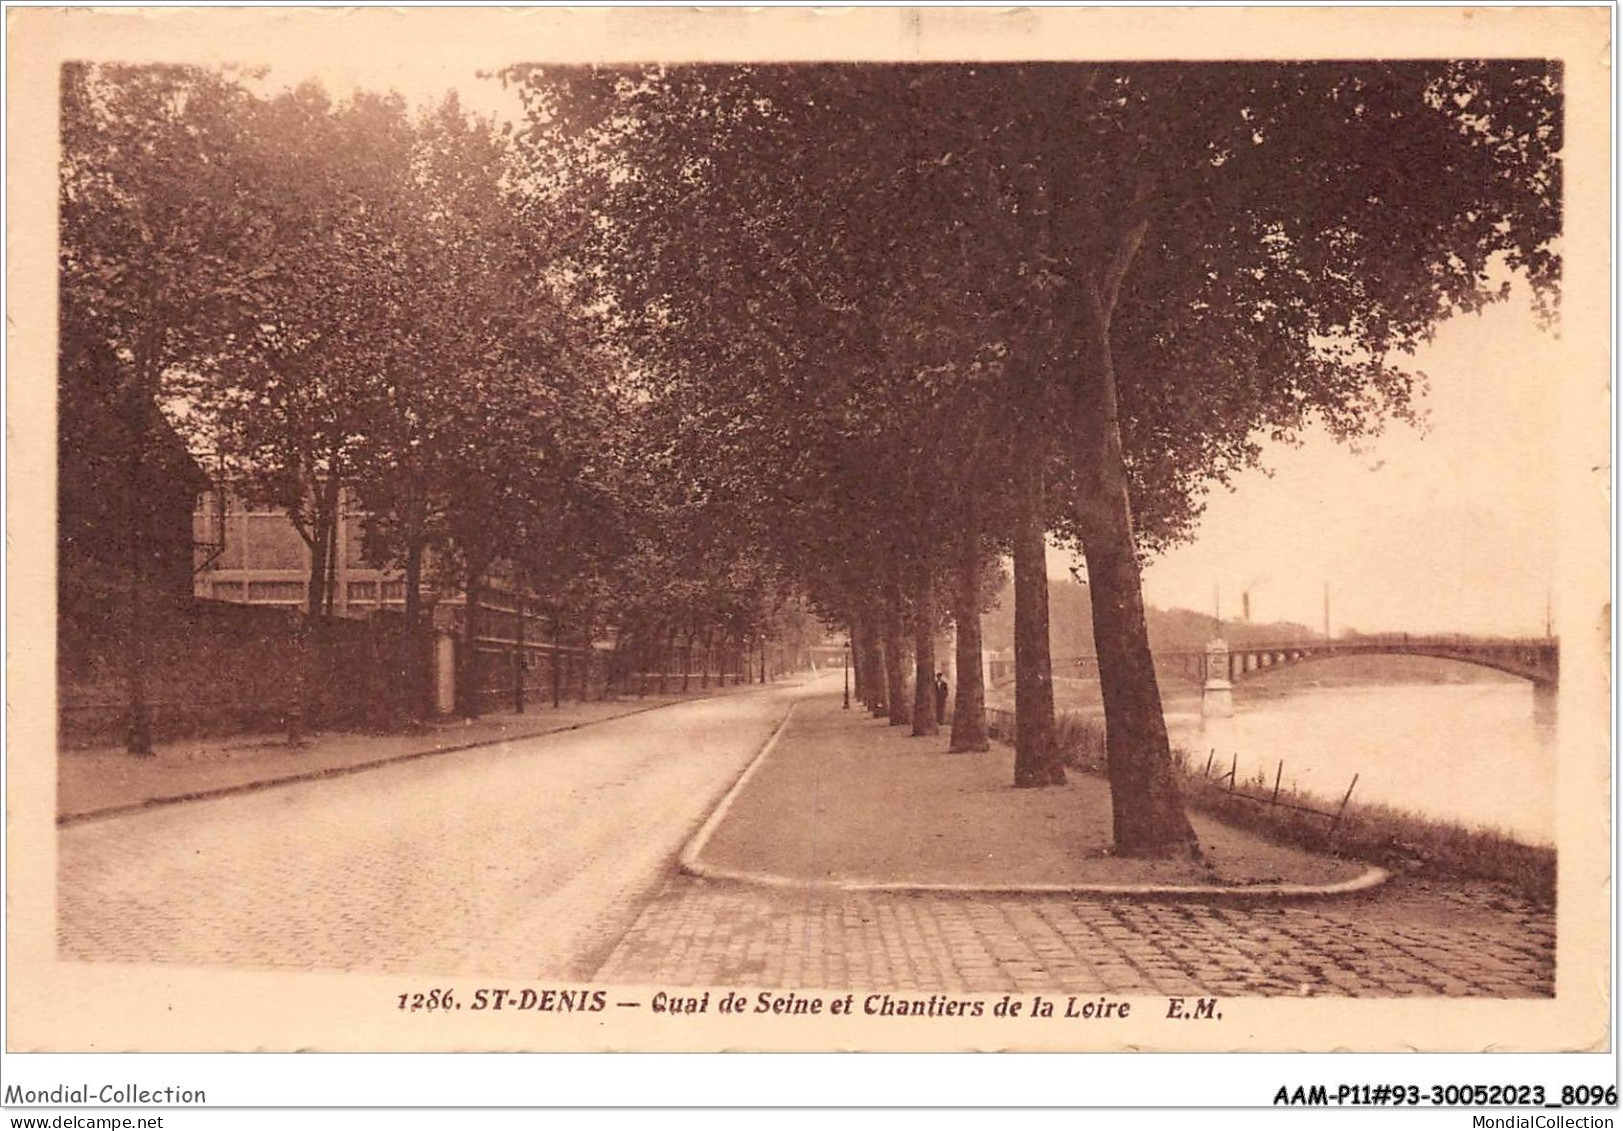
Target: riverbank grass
1398, 839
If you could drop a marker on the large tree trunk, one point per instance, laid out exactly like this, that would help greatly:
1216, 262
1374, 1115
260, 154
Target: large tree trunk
1147, 809
665, 657
298, 712
614, 674
586, 651
853, 659
318, 601
858, 661
895, 653
557, 663
969, 704
874, 652
411, 651
316, 589
468, 685
138, 718
924, 721
519, 658
1036, 762
331, 587
322, 543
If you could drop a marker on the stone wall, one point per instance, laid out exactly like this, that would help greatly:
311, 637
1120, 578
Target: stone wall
215, 668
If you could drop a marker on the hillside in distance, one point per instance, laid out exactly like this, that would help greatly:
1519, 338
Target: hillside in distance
1070, 625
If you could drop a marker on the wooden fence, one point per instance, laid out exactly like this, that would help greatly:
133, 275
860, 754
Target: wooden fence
1273, 798
1000, 724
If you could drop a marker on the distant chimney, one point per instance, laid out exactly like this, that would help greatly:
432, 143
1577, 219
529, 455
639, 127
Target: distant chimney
1245, 606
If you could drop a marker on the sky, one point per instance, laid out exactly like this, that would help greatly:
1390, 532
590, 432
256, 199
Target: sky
1445, 529
422, 78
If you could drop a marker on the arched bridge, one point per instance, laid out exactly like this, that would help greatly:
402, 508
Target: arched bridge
1537, 660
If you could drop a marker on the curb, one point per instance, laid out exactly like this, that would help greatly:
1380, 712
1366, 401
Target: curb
690, 864
1182, 893
78, 818
688, 861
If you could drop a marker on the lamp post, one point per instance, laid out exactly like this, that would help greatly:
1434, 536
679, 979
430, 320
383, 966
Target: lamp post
847, 704
763, 658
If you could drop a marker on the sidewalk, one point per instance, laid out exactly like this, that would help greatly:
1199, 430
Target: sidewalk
105, 780
847, 800
841, 801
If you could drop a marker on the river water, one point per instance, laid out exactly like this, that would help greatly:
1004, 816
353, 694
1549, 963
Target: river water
1472, 752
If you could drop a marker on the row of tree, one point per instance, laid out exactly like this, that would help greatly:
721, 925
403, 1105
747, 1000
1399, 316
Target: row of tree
941, 312
345, 305
684, 336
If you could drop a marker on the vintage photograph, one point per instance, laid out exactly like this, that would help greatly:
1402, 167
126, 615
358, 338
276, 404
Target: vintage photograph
694, 540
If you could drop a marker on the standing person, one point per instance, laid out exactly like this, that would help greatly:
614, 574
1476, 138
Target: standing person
940, 698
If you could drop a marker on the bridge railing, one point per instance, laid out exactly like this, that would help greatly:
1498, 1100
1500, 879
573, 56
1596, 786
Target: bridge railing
1464, 644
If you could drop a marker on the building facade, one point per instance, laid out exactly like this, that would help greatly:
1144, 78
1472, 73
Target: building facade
255, 556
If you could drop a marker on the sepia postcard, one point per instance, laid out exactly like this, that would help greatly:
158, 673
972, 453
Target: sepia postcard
794, 529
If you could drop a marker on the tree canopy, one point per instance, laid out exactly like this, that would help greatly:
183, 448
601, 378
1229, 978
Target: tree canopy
699, 343
1099, 286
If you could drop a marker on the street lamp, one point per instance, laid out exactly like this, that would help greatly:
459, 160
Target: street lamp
763, 657
847, 704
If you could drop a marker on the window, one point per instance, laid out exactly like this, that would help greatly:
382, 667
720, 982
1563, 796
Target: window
394, 590
228, 590
362, 592
277, 592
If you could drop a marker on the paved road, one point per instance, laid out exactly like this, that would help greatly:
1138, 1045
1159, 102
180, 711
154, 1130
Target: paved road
551, 858
527, 859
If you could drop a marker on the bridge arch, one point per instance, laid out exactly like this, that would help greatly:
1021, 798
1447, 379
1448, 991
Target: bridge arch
1538, 662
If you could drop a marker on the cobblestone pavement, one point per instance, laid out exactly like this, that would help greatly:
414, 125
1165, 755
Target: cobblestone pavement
1412, 939
527, 859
